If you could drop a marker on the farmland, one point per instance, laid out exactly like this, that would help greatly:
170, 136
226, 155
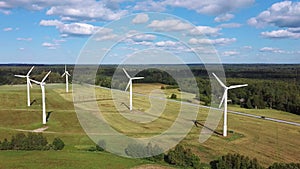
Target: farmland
267, 141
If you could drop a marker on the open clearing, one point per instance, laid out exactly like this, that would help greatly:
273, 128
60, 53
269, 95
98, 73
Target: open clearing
265, 140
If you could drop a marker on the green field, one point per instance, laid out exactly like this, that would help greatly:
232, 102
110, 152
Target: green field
267, 141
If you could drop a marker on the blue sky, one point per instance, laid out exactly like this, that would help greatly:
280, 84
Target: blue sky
240, 31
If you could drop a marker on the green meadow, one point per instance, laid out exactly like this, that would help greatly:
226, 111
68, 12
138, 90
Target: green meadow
267, 141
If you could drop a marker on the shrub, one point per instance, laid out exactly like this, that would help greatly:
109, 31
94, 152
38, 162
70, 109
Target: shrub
152, 153
173, 96
235, 161
285, 166
58, 144
183, 157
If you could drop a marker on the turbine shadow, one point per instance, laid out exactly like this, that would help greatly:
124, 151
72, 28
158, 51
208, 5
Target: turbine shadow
91, 100
197, 124
125, 105
33, 101
48, 115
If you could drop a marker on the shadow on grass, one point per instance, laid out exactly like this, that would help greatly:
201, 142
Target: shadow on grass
197, 124
33, 101
91, 100
48, 115
125, 105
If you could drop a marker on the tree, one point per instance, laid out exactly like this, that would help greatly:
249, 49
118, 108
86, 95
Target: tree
285, 166
235, 161
149, 152
5, 145
183, 157
58, 144
173, 96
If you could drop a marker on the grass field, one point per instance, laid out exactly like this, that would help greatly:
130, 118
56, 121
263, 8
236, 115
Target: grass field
267, 141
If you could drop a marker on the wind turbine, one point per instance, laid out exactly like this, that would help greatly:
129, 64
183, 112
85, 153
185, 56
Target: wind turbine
130, 85
224, 101
67, 74
28, 84
42, 84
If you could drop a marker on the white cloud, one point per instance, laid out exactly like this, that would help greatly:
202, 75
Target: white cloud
21, 49
75, 9
77, 29
50, 45
80, 29
149, 5
143, 37
104, 34
106, 37
24, 39
230, 53
7, 29
205, 30
216, 7
50, 23
140, 18
281, 14
169, 25
224, 17
54, 44
230, 25
283, 33
166, 43
272, 50
86, 10
220, 41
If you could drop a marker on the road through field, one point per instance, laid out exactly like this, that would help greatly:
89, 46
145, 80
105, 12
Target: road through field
207, 107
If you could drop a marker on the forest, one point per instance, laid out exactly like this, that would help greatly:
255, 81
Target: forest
271, 86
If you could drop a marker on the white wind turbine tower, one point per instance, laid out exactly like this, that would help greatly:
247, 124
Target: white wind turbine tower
130, 85
67, 74
28, 84
42, 84
224, 100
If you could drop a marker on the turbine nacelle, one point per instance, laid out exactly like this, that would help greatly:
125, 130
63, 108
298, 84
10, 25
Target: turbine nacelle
42, 83
226, 88
66, 73
130, 79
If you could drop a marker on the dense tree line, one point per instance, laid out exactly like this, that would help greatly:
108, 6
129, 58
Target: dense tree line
235, 161
285, 166
31, 141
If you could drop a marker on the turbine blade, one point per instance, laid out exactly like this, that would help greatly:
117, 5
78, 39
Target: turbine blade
30, 83
237, 86
222, 101
22, 76
221, 83
34, 81
65, 68
126, 73
134, 78
127, 85
46, 76
68, 73
30, 71
63, 74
